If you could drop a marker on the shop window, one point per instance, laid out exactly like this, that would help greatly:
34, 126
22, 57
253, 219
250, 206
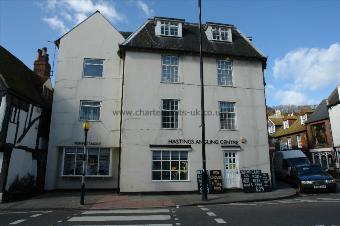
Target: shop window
170, 165
98, 161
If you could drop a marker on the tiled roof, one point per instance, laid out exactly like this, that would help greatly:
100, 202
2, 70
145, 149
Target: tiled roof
296, 127
146, 39
18, 77
277, 121
125, 34
320, 113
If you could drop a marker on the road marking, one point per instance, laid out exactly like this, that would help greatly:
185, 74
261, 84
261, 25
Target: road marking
129, 225
211, 214
200, 206
204, 209
178, 224
36, 215
18, 221
241, 204
126, 211
220, 221
329, 199
121, 218
176, 219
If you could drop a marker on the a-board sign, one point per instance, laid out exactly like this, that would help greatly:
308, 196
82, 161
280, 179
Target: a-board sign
266, 182
199, 182
255, 181
216, 181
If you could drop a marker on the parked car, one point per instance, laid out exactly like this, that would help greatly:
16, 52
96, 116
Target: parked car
284, 160
312, 178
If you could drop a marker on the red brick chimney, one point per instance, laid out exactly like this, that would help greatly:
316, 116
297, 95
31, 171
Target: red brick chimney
41, 64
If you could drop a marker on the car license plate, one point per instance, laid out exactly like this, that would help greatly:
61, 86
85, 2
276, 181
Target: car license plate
319, 186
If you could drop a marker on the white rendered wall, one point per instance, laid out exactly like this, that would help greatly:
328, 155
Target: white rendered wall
143, 90
94, 38
334, 117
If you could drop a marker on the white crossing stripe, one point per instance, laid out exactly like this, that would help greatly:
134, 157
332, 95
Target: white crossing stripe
36, 215
18, 221
220, 221
204, 209
211, 214
129, 225
126, 211
121, 218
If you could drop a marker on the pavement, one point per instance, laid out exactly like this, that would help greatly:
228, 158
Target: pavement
101, 200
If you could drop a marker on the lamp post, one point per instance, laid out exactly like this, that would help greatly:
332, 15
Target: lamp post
86, 127
204, 171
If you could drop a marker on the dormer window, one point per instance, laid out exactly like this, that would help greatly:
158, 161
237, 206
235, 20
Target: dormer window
169, 28
219, 33
303, 119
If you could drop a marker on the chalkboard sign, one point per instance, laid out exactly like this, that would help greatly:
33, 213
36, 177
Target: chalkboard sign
216, 181
255, 181
199, 181
266, 182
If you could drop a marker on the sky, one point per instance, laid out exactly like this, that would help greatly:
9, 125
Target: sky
300, 37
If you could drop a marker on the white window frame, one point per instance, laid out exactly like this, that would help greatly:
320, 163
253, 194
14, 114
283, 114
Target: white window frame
169, 26
234, 113
179, 166
289, 143
178, 115
80, 110
299, 141
87, 63
219, 33
303, 119
226, 70
168, 66
63, 159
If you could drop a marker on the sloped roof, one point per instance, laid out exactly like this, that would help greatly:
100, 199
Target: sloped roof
126, 34
320, 113
18, 77
296, 127
277, 121
146, 39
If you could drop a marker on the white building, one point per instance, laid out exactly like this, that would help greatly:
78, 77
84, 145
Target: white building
333, 103
155, 81
88, 87
161, 96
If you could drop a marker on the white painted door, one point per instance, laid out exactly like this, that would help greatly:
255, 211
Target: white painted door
231, 170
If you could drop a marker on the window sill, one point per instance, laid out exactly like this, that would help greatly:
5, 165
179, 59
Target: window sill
93, 77
167, 181
224, 41
164, 82
230, 86
87, 176
228, 129
171, 128
83, 120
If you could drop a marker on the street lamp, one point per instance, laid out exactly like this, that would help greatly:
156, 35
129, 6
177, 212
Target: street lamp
86, 127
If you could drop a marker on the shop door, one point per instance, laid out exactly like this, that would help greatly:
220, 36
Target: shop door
231, 170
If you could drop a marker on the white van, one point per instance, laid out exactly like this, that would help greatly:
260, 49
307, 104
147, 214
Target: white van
284, 160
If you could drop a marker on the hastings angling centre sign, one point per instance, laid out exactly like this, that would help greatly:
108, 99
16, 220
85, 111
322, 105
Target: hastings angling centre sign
192, 141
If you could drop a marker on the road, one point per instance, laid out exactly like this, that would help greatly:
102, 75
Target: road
305, 209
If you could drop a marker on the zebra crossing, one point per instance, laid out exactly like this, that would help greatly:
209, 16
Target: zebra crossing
116, 217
